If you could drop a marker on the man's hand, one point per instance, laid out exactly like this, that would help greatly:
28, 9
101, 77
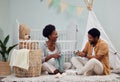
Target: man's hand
81, 54
89, 56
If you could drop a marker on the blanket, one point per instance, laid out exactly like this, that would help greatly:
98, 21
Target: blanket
20, 58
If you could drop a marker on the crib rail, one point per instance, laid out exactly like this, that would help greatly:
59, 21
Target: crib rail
66, 40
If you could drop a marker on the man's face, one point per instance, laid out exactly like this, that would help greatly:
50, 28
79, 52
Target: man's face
91, 39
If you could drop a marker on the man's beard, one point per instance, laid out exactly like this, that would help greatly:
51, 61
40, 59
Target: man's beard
92, 43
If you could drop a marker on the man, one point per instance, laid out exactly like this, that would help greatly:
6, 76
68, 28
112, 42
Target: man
96, 52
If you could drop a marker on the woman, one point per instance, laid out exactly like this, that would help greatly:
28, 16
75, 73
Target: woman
53, 60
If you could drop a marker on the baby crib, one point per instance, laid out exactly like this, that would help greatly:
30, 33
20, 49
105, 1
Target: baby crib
67, 39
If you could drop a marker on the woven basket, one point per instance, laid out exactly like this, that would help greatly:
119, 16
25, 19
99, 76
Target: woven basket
4, 68
34, 65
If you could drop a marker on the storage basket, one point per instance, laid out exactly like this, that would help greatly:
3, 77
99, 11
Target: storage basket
4, 68
34, 65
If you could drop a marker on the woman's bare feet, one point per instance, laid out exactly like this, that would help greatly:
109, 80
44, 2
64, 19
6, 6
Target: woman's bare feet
56, 71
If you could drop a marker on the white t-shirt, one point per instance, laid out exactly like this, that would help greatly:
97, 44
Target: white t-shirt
51, 52
93, 51
46, 51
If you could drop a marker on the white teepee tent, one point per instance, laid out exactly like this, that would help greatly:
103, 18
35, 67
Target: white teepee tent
114, 55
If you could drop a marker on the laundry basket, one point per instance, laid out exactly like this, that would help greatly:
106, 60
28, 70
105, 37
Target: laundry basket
34, 66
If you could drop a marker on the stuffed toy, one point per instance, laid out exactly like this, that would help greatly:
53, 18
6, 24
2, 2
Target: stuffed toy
24, 32
24, 36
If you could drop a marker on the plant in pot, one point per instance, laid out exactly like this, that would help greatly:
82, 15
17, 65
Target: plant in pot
4, 51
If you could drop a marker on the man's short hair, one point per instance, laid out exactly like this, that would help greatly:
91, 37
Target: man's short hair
94, 32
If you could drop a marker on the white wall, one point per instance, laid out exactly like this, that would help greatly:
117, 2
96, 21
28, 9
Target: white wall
108, 13
4, 16
37, 14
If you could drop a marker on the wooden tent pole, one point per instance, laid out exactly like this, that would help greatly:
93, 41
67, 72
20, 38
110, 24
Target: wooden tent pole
89, 4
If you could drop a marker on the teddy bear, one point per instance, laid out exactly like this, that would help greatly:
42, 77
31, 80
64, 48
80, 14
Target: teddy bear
24, 37
24, 32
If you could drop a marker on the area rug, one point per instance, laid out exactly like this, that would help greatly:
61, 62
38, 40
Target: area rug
66, 78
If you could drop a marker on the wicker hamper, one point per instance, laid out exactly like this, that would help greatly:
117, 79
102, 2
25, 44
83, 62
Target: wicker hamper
4, 68
34, 65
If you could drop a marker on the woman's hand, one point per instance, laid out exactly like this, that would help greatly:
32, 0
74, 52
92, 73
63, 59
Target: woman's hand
56, 56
